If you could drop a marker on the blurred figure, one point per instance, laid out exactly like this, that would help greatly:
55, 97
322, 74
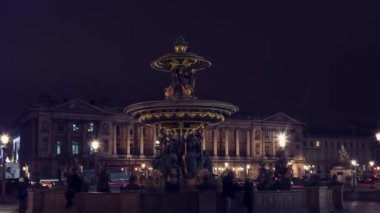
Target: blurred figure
22, 194
172, 180
132, 185
74, 184
229, 189
37, 184
103, 179
249, 198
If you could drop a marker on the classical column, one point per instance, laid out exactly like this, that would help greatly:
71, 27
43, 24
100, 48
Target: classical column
215, 141
252, 141
127, 128
248, 143
226, 142
204, 140
114, 140
141, 140
237, 142
154, 136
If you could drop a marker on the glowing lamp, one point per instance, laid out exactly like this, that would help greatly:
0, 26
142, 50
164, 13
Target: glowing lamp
281, 138
4, 138
95, 145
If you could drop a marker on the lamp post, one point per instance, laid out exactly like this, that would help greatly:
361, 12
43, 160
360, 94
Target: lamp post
158, 148
4, 138
354, 164
94, 147
247, 168
371, 165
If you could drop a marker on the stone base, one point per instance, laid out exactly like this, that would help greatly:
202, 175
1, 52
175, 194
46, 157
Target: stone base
312, 199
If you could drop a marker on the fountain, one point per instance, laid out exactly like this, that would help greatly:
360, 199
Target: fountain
181, 117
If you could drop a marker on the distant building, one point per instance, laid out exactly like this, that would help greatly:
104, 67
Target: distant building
322, 153
54, 137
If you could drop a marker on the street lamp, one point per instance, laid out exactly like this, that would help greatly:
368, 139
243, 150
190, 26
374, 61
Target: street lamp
226, 164
378, 136
282, 139
354, 164
94, 147
4, 138
372, 163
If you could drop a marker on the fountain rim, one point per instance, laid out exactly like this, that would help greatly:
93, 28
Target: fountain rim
138, 108
201, 64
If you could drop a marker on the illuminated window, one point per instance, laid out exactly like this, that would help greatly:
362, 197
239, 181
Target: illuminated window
59, 148
75, 147
90, 127
317, 144
75, 127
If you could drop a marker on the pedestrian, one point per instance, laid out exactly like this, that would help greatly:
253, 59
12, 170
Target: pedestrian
103, 180
22, 194
74, 184
228, 193
132, 185
249, 198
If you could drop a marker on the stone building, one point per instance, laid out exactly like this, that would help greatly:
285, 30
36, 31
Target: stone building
322, 153
56, 136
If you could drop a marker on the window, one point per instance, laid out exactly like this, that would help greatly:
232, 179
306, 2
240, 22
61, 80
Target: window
106, 129
45, 144
106, 145
131, 132
75, 127
90, 127
257, 149
60, 126
266, 134
266, 150
45, 126
75, 147
59, 148
257, 135
317, 143
326, 144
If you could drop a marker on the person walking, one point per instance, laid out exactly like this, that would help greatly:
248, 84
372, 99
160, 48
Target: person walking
74, 185
228, 193
22, 194
103, 179
249, 198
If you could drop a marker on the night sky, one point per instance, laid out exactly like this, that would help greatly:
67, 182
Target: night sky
317, 62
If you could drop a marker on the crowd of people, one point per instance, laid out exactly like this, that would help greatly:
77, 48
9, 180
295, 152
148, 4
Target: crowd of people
74, 182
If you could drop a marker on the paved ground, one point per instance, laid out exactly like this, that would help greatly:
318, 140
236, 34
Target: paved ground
362, 207
8, 208
351, 207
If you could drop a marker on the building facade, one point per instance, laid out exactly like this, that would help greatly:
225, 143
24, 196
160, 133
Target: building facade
322, 153
55, 137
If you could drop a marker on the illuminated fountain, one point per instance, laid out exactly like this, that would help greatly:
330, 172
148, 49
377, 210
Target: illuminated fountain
181, 117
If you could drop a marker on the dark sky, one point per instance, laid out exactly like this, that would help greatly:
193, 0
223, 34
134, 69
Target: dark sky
317, 62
